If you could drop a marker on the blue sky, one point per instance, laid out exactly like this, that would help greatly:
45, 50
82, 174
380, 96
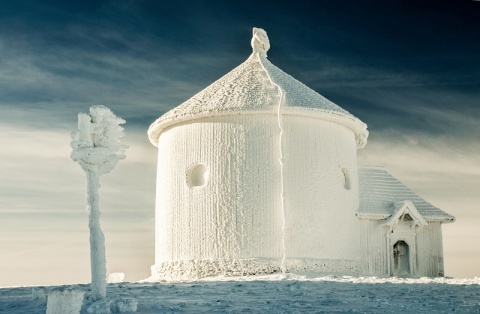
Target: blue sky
409, 69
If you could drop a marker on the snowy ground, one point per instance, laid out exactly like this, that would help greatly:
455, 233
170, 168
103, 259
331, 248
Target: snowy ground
287, 293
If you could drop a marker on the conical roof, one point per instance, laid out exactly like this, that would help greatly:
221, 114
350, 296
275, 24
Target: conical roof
257, 86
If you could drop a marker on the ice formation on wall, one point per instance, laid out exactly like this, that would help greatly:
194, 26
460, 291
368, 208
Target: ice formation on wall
247, 90
260, 209
96, 146
257, 173
393, 218
260, 45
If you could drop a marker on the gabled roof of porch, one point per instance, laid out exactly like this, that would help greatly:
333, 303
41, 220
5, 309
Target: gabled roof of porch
379, 191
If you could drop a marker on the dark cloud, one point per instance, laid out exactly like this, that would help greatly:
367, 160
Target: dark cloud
145, 57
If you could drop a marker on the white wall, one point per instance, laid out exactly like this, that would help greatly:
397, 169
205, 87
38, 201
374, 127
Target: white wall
238, 213
374, 247
427, 241
430, 250
320, 211
235, 215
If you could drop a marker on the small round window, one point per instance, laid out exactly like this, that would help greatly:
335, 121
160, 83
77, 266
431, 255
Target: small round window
345, 177
197, 175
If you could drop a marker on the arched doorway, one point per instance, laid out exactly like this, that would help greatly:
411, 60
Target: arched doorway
401, 259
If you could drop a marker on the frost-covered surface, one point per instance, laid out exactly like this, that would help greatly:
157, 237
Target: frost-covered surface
425, 247
236, 213
67, 300
285, 187
282, 294
392, 213
260, 42
116, 305
116, 277
96, 144
236, 217
97, 148
248, 90
196, 269
38, 293
379, 191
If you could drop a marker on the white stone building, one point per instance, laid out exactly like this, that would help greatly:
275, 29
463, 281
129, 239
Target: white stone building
257, 173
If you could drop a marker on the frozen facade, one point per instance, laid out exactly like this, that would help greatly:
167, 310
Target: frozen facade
400, 232
257, 173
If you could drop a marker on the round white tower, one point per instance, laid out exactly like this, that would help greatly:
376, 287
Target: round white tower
257, 173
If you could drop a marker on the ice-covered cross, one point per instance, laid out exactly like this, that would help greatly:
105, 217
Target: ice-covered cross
96, 146
260, 42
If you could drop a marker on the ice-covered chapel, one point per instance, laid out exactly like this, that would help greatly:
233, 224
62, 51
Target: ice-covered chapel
257, 173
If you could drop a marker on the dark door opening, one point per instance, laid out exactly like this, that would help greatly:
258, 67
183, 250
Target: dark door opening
401, 259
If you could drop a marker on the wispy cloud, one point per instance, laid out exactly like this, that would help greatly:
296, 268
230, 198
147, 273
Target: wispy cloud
38, 174
56, 83
445, 170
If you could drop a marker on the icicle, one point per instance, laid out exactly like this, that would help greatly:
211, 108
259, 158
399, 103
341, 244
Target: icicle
282, 197
261, 34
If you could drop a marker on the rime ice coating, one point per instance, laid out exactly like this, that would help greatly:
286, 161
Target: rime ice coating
248, 90
254, 131
257, 173
65, 300
379, 190
96, 146
260, 42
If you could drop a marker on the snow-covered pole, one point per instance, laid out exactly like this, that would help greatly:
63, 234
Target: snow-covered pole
97, 148
98, 260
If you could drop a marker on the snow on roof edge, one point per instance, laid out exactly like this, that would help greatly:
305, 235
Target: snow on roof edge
355, 125
371, 216
362, 213
317, 106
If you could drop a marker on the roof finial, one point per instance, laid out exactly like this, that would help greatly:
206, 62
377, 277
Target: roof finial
260, 42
